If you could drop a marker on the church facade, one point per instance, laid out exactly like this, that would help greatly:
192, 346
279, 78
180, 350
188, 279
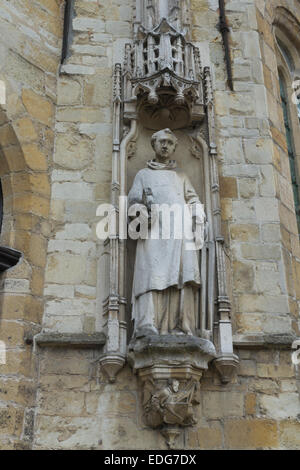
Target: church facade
84, 84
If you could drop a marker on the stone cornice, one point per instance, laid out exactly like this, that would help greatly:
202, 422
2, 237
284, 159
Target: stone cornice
275, 341
69, 340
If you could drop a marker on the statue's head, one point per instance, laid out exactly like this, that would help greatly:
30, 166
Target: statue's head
174, 384
164, 143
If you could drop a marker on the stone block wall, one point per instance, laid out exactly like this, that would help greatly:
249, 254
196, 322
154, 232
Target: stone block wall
77, 408
30, 50
285, 13
81, 174
248, 122
56, 145
259, 222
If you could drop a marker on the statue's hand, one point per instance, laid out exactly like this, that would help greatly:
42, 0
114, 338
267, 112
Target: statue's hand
206, 227
200, 230
198, 213
200, 226
153, 214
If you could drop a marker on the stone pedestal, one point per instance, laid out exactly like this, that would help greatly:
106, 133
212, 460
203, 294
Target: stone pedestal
170, 369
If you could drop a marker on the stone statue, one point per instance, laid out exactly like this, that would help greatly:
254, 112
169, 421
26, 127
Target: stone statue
166, 272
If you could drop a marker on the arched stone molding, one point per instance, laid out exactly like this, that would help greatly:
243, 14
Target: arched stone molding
287, 21
26, 206
286, 33
30, 50
25, 182
286, 29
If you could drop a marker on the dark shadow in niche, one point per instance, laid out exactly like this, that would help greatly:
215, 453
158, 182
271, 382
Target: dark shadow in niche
8, 256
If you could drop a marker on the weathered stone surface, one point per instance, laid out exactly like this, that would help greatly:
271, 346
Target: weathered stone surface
289, 435
205, 438
25, 130
247, 368
38, 107
35, 159
275, 371
243, 210
247, 187
262, 303
81, 341
165, 348
23, 71
284, 406
225, 404
72, 152
68, 92
251, 434
244, 232
120, 433
243, 275
61, 403
97, 92
118, 404
67, 432
72, 191
261, 252
62, 267
57, 361
228, 187
73, 69
79, 114
250, 404
258, 150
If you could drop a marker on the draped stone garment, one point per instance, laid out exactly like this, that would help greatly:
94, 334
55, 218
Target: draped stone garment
161, 263
169, 310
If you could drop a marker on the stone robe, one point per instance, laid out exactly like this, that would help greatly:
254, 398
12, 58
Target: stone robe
166, 273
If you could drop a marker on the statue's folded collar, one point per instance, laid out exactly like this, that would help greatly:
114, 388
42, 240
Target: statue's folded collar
154, 165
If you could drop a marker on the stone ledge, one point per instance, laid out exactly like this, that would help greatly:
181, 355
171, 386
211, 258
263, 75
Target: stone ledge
70, 340
74, 69
171, 351
173, 342
276, 341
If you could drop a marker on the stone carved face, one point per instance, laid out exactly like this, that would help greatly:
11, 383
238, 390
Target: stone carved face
164, 144
175, 386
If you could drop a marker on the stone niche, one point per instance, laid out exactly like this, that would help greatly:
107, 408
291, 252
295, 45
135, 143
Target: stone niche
163, 85
170, 367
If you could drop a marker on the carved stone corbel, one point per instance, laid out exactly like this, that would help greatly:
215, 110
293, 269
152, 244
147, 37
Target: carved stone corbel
170, 369
227, 367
